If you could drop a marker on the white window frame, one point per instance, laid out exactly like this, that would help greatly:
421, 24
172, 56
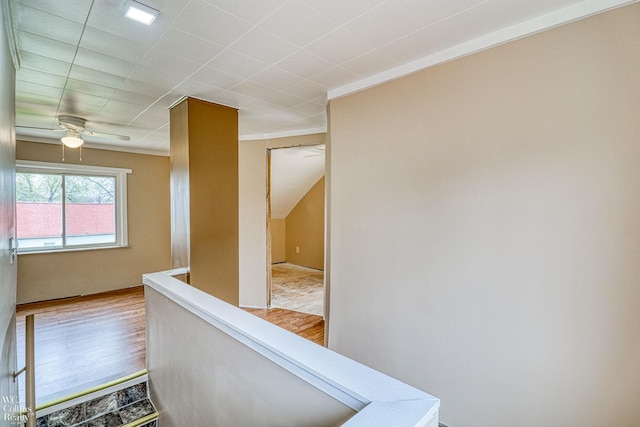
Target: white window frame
120, 200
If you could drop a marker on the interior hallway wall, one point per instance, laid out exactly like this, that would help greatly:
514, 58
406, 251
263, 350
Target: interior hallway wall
47, 276
252, 171
484, 229
278, 238
305, 229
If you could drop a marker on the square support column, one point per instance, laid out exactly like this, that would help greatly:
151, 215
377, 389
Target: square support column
204, 195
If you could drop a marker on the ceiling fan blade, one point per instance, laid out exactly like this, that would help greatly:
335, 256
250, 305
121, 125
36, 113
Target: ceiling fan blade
106, 135
36, 128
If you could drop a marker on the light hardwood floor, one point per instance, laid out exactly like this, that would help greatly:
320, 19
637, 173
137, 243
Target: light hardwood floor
86, 341
297, 288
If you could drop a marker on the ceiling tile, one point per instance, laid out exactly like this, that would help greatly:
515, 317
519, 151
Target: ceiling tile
249, 11
89, 88
233, 99
341, 11
430, 12
371, 63
307, 90
284, 99
263, 46
277, 78
467, 25
112, 45
81, 104
215, 77
414, 46
298, 23
123, 109
170, 64
339, 46
144, 88
98, 77
42, 46
25, 87
74, 10
335, 77
310, 109
156, 77
253, 89
257, 108
107, 64
196, 89
211, 23
34, 76
304, 64
390, 21
46, 65
44, 24
516, 11
134, 97
237, 64
35, 115
184, 45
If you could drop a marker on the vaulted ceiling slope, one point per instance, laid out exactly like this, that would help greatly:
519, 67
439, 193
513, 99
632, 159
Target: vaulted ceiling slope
275, 60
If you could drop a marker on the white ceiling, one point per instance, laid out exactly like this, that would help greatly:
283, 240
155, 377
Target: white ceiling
293, 172
275, 60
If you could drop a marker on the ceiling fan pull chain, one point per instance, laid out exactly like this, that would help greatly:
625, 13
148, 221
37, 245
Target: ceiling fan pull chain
81, 153
62, 152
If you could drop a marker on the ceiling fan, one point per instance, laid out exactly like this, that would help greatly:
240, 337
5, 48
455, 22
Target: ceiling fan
74, 127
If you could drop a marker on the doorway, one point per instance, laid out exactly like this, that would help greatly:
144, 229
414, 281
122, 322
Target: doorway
295, 228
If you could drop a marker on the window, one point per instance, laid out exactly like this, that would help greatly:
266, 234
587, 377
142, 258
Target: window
70, 207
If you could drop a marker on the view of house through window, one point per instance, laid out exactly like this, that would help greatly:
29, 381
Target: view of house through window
66, 210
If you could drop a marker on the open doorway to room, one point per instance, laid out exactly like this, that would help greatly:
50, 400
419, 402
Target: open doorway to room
295, 228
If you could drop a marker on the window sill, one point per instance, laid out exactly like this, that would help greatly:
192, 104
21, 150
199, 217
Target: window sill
55, 251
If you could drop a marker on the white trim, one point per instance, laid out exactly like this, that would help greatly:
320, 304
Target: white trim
69, 168
284, 134
11, 33
120, 175
559, 17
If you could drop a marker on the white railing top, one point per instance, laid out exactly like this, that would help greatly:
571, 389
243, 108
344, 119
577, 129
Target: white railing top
377, 398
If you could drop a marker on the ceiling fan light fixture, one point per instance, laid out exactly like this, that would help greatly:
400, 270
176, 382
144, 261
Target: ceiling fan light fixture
72, 140
141, 13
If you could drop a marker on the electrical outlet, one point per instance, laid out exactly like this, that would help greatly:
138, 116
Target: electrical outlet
297, 249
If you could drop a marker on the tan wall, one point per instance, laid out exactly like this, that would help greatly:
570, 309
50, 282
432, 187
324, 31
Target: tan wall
252, 173
484, 229
305, 229
64, 274
278, 240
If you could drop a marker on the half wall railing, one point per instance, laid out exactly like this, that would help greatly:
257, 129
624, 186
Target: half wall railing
211, 363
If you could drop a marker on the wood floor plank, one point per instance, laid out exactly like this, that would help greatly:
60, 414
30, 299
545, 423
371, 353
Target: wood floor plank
84, 341
308, 326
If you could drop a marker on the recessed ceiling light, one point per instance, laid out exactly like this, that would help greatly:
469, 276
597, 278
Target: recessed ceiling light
141, 13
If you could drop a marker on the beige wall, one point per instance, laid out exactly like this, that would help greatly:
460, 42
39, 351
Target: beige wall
305, 229
484, 229
278, 238
64, 274
252, 174
195, 364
